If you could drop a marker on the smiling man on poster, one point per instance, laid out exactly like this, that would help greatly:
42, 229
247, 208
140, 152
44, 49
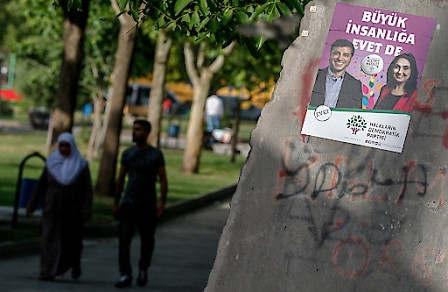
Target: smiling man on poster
334, 86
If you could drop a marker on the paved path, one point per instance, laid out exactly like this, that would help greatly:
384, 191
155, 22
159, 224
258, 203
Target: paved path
183, 258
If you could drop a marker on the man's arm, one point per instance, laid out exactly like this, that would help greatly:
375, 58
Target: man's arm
119, 188
161, 172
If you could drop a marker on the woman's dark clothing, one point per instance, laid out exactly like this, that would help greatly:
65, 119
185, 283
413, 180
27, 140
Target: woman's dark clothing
63, 207
405, 102
388, 102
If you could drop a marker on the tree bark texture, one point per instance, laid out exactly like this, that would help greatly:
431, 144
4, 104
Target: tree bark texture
158, 86
116, 99
74, 26
195, 131
96, 127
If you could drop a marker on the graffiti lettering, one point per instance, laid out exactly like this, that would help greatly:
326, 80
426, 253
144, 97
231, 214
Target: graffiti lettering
341, 178
391, 252
357, 272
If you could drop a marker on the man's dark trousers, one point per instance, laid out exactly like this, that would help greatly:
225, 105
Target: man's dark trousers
145, 218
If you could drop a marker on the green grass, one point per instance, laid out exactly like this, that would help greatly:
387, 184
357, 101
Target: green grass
8, 234
215, 171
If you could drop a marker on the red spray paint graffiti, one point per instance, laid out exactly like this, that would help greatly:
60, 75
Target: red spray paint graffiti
356, 273
425, 107
307, 80
392, 251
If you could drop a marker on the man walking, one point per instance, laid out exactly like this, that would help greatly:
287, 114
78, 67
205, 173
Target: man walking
334, 86
143, 164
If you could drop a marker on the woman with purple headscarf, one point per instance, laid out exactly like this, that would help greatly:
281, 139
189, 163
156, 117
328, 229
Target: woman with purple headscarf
65, 190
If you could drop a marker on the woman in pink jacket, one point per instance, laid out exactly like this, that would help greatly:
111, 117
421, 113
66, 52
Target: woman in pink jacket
400, 91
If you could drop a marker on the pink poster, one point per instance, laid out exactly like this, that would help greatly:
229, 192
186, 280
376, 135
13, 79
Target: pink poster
369, 76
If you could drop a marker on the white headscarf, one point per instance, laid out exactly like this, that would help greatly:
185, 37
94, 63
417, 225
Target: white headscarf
66, 169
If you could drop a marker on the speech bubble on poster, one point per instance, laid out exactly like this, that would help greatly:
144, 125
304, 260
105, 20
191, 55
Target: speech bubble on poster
372, 64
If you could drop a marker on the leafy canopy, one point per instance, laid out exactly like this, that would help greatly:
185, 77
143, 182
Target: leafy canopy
215, 20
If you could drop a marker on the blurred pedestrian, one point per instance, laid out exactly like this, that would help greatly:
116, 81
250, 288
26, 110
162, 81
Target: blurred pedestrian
143, 164
214, 110
166, 106
65, 190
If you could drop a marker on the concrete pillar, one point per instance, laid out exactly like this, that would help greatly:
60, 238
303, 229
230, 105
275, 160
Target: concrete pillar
312, 214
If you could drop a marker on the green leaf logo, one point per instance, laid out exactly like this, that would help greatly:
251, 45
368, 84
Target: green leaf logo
356, 124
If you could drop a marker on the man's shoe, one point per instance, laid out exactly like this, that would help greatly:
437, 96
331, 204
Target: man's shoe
46, 278
125, 281
142, 278
76, 272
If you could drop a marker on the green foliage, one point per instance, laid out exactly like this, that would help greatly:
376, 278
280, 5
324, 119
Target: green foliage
8, 234
143, 58
6, 108
38, 44
244, 70
36, 84
77, 4
215, 20
5, 19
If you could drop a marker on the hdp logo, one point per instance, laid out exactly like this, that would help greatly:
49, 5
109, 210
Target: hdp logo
356, 124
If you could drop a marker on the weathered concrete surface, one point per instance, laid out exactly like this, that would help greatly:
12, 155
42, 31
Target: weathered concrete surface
381, 228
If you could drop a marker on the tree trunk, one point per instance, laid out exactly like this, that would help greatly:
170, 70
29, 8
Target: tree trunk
116, 99
158, 86
96, 127
102, 133
74, 26
195, 131
236, 129
201, 77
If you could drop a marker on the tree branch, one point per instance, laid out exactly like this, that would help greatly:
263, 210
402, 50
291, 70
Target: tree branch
189, 63
201, 55
115, 6
219, 61
124, 18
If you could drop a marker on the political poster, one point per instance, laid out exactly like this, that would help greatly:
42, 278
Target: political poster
368, 77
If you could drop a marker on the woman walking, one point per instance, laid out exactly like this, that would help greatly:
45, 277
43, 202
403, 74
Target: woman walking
65, 190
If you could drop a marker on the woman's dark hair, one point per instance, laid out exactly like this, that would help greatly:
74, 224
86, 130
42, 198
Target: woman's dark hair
411, 84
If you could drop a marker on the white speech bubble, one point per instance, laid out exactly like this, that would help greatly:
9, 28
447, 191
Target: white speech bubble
372, 64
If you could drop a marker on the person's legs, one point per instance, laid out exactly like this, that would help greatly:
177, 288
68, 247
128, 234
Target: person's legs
126, 232
146, 224
210, 123
216, 122
77, 247
146, 231
71, 244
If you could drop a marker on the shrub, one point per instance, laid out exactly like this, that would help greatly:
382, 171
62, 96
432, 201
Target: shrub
6, 108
